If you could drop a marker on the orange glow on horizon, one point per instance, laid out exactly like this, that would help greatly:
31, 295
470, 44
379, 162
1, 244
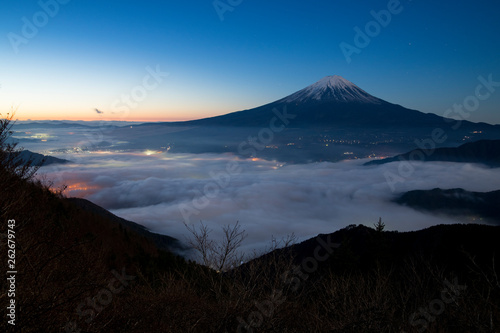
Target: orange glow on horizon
133, 115
136, 120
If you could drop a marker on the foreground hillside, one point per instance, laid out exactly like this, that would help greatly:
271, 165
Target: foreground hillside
82, 272
456, 202
80, 269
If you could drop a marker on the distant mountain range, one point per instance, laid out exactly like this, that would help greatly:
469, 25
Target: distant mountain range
55, 124
330, 120
485, 152
27, 125
474, 206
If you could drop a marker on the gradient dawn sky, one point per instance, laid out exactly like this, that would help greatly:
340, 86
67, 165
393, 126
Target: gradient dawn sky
63, 59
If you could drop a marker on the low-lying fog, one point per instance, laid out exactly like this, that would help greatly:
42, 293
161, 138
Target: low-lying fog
162, 190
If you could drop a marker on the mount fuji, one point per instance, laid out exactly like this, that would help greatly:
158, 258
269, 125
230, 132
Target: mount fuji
333, 89
332, 119
332, 102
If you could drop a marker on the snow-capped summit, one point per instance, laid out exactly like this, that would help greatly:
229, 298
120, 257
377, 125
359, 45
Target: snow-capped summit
332, 88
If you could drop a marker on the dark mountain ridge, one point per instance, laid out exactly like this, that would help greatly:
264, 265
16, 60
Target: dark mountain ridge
163, 242
39, 159
477, 206
485, 152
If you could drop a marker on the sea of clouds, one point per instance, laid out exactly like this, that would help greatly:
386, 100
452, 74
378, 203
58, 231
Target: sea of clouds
269, 199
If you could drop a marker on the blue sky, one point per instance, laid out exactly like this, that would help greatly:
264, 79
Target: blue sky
88, 54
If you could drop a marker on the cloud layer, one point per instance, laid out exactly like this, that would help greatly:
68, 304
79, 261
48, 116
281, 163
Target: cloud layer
161, 191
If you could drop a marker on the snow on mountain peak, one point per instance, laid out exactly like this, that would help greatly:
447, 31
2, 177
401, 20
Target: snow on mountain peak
333, 81
332, 88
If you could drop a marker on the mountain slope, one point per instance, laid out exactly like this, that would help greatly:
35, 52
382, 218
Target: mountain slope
39, 159
67, 254
443, 244
330, 102
163, 242
483, 151
456, 202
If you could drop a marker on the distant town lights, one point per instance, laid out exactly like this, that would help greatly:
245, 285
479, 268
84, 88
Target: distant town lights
151, 152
